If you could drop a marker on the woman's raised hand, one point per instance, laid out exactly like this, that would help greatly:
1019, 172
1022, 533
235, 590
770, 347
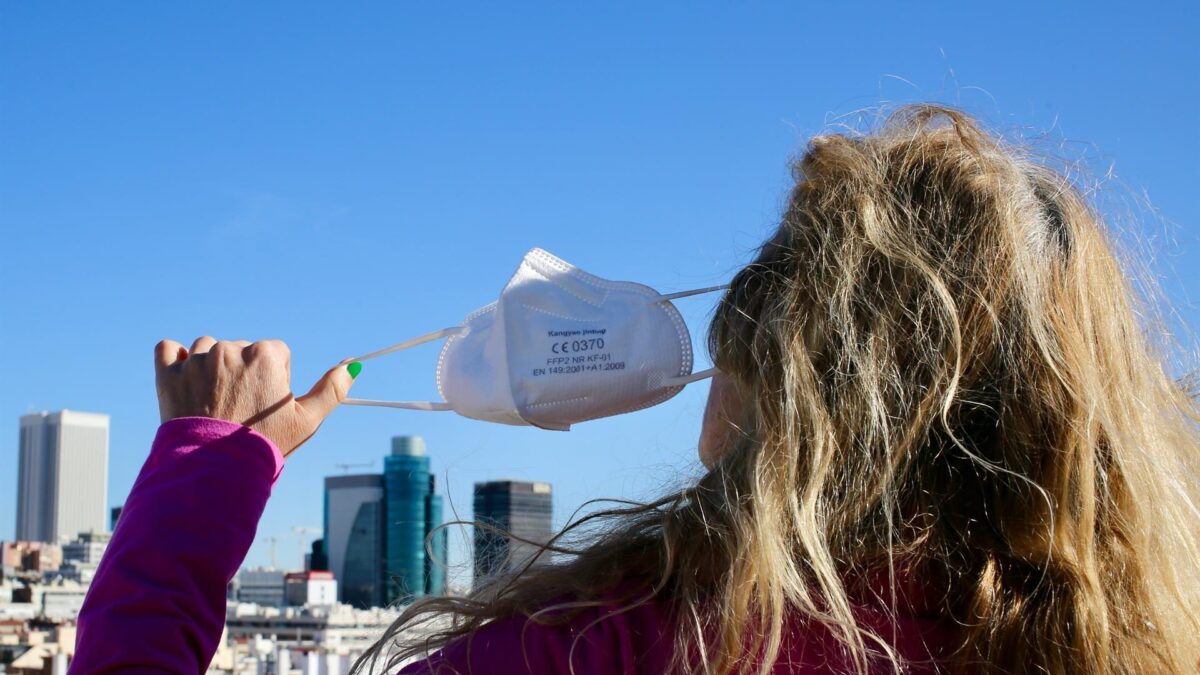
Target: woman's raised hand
248, 383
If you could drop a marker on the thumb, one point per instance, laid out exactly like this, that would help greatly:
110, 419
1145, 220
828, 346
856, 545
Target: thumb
330, 390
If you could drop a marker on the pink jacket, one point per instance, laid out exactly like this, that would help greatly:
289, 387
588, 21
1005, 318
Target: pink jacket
157, 603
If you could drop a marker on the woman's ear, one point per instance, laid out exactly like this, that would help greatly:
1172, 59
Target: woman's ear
720, 426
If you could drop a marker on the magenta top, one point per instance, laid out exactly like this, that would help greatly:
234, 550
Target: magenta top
157, 603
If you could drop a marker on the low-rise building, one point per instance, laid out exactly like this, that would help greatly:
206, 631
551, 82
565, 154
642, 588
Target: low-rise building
55, 601
39, 651
259, 585
310, 588
82, 556
29, 559
338, 624
88, 547
63, 601
324, 639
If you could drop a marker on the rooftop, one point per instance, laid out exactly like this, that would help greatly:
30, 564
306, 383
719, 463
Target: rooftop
412, 446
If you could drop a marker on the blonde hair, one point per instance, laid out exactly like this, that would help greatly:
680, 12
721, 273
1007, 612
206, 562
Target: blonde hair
943, 370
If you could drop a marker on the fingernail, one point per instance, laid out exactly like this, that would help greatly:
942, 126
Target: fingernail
354, 369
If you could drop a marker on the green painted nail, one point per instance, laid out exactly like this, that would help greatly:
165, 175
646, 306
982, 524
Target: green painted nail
354, 369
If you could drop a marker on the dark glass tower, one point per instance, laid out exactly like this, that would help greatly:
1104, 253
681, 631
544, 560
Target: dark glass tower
437, 544
364, 558
516, 509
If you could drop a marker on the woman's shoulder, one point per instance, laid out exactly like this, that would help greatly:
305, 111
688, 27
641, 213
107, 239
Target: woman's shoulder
567, 637
639, 638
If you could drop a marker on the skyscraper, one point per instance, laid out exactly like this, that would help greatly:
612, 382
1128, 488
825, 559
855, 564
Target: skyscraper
517, 508
411, 511
376, 527
62, 476
354, 537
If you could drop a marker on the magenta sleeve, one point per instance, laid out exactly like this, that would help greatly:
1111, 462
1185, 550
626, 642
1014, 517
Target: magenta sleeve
157, 603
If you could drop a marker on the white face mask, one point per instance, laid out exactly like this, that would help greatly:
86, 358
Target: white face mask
560, 346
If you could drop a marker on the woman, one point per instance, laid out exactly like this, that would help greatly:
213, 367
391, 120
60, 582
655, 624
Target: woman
940, 441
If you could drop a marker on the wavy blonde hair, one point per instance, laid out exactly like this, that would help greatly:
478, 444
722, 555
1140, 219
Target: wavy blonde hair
944, 370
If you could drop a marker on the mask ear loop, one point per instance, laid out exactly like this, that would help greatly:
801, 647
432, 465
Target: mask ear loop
400, 346
687, 294
682, 380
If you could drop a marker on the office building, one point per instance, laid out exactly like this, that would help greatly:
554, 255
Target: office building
510, 510
353, 542
310, 588
114, 516
260, 585
411, 512
62, 475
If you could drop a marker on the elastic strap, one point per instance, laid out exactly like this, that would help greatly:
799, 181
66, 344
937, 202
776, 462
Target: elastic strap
704, 374
685, 294
681, 380
399, 346
407, 405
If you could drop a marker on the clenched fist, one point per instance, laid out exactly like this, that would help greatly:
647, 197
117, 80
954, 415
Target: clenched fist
247, 383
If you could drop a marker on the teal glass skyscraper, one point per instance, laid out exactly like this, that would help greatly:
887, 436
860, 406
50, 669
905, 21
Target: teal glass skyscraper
411, 512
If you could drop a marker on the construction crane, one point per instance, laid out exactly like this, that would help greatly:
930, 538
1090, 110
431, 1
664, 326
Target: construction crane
346, 467
273, 541
300, 533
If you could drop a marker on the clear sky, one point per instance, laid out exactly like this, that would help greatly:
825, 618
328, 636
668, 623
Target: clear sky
346, 178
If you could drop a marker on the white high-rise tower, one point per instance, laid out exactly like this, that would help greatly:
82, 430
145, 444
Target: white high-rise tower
62, 480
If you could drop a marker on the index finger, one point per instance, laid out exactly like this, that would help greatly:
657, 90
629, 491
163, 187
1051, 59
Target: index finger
167, 353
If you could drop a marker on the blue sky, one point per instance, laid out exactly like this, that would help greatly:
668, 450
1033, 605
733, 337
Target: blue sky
344, 178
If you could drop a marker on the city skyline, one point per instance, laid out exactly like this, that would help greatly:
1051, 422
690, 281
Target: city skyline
354, 550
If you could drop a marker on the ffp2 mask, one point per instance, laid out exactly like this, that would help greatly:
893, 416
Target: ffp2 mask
560, 346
